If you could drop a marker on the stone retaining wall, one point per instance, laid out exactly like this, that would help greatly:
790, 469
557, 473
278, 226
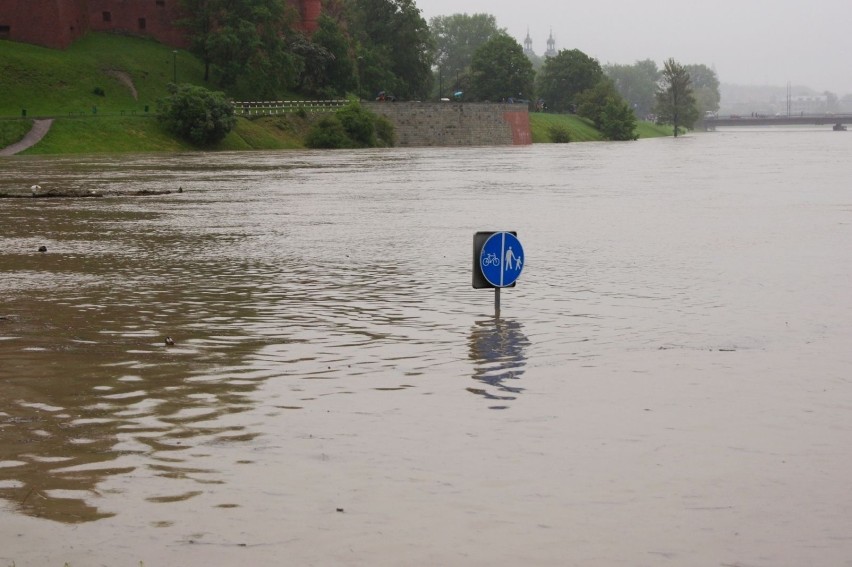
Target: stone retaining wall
456, 124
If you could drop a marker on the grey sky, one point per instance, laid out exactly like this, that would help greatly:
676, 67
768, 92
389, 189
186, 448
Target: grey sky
750, 42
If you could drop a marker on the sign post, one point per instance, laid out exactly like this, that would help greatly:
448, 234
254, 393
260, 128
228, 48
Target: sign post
498, 260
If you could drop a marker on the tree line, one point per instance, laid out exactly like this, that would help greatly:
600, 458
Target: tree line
253, 49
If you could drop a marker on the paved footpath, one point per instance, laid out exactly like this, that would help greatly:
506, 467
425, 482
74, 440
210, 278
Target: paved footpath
33, 137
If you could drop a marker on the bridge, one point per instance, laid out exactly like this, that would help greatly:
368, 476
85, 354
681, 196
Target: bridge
838, 121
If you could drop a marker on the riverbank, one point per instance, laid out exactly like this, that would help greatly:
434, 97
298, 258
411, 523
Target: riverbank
102, 93
142, 133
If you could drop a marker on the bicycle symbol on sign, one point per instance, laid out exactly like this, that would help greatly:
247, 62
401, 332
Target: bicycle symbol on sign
491, 259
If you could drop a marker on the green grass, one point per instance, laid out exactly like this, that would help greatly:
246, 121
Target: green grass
284, 132
51, 82
647, 129
107, 134
127, 134
582, 130
12, 131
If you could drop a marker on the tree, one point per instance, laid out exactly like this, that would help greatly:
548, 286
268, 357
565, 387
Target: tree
636, 83
591, 102
456, 39
200, 25
336, 74
500, 69
618, 122
328, 69
675, 102
565, 76
196, 114
395, 46
705, 87
608, 111
247, 41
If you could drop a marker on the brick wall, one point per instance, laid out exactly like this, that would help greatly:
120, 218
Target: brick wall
456, 124
150, 18
57, 23
52, 23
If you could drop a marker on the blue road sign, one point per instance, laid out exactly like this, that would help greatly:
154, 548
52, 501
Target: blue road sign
502, 259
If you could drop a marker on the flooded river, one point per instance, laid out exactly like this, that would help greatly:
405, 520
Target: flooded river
670, 383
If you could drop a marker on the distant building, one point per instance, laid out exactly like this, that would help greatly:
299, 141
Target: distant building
811, 104
528, 49
58, 23
551, 46
528, 46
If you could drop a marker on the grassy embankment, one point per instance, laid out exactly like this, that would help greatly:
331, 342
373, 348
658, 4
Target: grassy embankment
133, 74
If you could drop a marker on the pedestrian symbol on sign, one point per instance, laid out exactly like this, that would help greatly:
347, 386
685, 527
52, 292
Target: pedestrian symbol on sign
502, 259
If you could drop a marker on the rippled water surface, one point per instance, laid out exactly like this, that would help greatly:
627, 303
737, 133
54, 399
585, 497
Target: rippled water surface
668, 384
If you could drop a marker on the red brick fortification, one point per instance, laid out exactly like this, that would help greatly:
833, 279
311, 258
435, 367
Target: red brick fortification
57, 23
52, 23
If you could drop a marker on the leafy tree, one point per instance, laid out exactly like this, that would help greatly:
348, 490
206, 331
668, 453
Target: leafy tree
338, 70
500, 69
675, 102
201, 26
565, 76
608, 111
394, 46
315, 58
591, 102
705, 86
246, 40
636, 83
618, 122
196, 114
456, 39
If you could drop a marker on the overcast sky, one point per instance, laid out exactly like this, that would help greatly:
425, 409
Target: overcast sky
749, 42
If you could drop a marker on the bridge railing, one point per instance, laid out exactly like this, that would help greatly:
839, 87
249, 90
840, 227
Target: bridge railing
273, 107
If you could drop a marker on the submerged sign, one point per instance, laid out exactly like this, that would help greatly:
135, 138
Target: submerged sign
498, 259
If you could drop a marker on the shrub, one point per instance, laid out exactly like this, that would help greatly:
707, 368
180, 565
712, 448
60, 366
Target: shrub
351, 127
359, 125
328, 133
98, 91
384, 132
200, 116
559, 135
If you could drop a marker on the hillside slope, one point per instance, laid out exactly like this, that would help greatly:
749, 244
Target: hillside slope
103, 90
101, 73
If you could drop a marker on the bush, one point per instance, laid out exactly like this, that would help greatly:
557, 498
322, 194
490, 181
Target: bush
328, 133
351, 127
359, 125
559, 135
98, 91
384, 132
197, 115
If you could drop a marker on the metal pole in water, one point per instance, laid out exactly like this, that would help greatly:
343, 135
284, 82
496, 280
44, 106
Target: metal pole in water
496, 302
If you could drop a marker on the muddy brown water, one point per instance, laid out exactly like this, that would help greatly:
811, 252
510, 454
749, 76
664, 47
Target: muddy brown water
668, 384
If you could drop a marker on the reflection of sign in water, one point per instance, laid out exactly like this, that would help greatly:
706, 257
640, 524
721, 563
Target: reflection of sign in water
497, 349
502, 259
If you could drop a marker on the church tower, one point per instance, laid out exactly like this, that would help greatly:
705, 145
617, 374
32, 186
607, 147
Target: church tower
528, 50
551, 46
